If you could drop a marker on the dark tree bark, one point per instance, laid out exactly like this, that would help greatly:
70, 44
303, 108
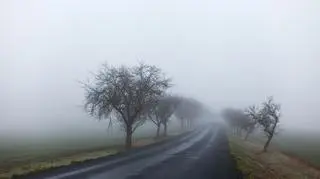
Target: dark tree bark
266, 145
128, 137
270, 136
158, 130
165, 130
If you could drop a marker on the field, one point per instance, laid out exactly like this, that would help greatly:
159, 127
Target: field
273, 164
17, 151
24, 154
306, 147
302, 145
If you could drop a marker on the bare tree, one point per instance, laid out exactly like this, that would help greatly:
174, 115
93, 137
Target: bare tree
253, 116
155, 119
188, 111
228, 115
125, 92
168, 107
236, 119
163, 111
270, 114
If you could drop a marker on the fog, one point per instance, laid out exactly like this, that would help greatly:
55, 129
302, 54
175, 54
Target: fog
224, 53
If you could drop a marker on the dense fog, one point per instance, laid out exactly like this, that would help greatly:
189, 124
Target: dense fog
222, 53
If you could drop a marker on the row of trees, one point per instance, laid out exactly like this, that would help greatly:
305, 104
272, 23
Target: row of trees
161, 112
265, 116
186, 110
130, 96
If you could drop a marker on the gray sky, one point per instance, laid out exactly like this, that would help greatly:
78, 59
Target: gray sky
224, 53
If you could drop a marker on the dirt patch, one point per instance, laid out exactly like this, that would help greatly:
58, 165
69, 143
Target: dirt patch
271, 165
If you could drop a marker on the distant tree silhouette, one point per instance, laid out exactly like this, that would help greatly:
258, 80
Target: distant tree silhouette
188, 111
162, 111
236, 119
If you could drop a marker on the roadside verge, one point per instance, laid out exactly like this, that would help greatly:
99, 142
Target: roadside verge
255, 164
77, 159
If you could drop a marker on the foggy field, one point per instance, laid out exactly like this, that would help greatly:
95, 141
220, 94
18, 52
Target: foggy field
302, 145
22, 151
24, 156
34, 150
272, 164
87, 79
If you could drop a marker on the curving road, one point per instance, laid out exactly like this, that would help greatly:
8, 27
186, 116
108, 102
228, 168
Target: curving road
201, 154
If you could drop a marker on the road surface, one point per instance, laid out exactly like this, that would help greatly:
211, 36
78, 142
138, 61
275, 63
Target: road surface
201, 154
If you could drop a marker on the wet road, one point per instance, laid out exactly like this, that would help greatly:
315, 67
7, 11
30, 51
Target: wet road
201, 154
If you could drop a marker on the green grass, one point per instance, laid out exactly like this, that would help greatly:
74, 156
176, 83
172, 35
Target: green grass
244, 162
248, 161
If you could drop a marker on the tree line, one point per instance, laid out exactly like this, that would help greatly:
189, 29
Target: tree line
131, 95
265, 116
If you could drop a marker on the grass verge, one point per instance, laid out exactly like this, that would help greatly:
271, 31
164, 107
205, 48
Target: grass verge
9, 171
255, 164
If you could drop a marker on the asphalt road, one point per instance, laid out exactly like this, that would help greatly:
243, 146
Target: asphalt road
201, 154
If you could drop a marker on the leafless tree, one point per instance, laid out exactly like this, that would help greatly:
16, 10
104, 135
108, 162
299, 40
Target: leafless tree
253, 115
163, 111
155, 119
188, 111
236, 119
125, 92
171, 106
269, 119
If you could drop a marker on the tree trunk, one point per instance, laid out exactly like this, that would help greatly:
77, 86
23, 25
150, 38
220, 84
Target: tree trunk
266, 145
158, 130
165, 129
270, 137
129, 138
247, 135
182, 124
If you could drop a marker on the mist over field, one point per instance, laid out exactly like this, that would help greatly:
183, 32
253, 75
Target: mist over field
222, 53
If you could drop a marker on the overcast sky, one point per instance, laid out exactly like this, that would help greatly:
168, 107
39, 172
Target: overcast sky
222, 52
